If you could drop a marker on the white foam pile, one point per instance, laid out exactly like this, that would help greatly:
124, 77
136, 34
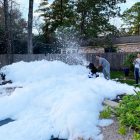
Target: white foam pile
56, 99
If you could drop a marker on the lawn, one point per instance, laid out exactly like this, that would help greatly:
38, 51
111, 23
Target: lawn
119, 76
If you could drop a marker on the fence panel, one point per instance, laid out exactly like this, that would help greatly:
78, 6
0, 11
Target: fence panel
116, 59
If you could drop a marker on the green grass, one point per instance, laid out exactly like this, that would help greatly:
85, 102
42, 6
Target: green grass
117, 74
121, 77
128, 81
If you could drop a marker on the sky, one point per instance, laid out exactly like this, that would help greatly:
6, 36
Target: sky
23, 4
117, 21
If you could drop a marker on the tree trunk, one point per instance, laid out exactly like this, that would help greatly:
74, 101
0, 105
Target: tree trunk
61, 11
82, 26
7, 31
30, 24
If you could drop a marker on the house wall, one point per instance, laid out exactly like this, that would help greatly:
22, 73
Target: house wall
90, 49
86, 49
129, 47
123, 44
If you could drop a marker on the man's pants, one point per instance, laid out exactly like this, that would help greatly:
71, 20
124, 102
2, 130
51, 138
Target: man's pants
106, 72
136, 73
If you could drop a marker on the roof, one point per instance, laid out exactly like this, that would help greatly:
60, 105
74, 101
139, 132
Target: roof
103, 41
128, 39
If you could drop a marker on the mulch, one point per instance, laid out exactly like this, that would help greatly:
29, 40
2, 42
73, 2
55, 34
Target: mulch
111, 132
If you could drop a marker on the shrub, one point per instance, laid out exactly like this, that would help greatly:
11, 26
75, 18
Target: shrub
136, 136
122, 130
106, 113
129, 61
128, 111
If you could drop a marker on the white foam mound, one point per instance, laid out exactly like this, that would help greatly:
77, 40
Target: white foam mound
56, 99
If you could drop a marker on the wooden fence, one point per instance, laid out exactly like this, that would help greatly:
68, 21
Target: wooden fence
116, 59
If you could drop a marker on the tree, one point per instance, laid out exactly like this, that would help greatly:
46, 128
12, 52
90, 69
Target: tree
17, 27
89, 17
2, 31
131, 18
7, 31
59, 13
30, 24
7, 27
93, 16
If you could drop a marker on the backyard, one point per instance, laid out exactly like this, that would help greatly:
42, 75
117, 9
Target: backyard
47, 89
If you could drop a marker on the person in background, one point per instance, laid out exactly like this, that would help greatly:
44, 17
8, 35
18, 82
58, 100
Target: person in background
137, 68
105, 66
